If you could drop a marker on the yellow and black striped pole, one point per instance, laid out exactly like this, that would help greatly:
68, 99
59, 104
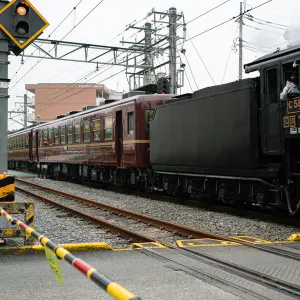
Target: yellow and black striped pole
112, 288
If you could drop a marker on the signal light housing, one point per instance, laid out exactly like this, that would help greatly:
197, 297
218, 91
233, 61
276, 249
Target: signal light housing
163, 86
22, 23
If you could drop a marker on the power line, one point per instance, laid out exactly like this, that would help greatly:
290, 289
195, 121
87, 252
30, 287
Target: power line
208, 11
264, 24
64, 91
264, 47
74, 88
190, 70
134, 22
60, 40
268, 22
227, 21
49, 35
203, 62
260, 29
237, 27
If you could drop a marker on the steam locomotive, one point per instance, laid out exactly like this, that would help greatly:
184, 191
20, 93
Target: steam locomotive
236, 143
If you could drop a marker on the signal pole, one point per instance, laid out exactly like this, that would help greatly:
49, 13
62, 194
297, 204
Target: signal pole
241, 44
172, 46
3, 96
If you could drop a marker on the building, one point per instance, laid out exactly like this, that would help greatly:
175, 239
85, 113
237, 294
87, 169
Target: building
53, 99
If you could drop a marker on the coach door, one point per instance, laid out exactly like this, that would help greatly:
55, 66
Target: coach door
271, 128
37, 143
30, 147
119, 138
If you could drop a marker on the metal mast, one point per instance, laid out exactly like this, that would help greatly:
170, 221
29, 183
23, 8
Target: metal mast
172, 49
25, 110
148, 60
241, 43
3, 96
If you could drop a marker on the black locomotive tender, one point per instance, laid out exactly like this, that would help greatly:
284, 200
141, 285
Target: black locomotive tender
238, 141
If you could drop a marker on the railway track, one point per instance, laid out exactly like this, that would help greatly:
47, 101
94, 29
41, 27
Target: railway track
171, 231
175, 231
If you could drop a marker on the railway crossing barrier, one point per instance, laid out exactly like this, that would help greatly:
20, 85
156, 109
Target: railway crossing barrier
26, 209
112, 288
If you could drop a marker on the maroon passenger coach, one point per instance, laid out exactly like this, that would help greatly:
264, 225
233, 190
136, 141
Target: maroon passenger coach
109, 143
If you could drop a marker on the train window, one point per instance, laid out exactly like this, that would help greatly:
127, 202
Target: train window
50, 136
45, 138
272, 89
77, 133
33, 141
288, 70
130, 123
62, 135
108, 128
148, 116
56, 140
26, 141
86, 132
23, 141
70, 134
96, 130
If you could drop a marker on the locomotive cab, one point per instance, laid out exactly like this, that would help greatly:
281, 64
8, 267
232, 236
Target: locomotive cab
278, 118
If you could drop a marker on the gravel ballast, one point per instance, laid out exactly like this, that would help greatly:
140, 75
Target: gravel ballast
62, 228
212, 222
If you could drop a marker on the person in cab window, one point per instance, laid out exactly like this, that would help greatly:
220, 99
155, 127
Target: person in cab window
291, 89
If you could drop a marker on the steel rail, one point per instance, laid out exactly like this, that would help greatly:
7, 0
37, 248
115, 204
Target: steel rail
132, 236
182, 230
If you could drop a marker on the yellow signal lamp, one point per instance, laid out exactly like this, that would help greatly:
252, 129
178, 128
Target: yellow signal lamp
22, 9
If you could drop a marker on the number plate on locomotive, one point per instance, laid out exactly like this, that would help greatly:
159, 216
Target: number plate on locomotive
293, 106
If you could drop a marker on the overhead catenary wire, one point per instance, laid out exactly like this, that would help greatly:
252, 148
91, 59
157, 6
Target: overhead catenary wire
64, 92
135, 22
93, 9
49, 36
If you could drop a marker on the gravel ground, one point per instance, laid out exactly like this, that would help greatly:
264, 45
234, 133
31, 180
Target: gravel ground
62, 228
212, 222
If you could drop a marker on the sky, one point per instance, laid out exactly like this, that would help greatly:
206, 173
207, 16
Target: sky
215, 48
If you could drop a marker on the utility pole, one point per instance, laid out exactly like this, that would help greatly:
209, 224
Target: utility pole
3, 96
148, 60
25, 110
241, 43
172, 49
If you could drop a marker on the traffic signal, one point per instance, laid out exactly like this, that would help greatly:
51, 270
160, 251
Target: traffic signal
21, 21
163, 86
